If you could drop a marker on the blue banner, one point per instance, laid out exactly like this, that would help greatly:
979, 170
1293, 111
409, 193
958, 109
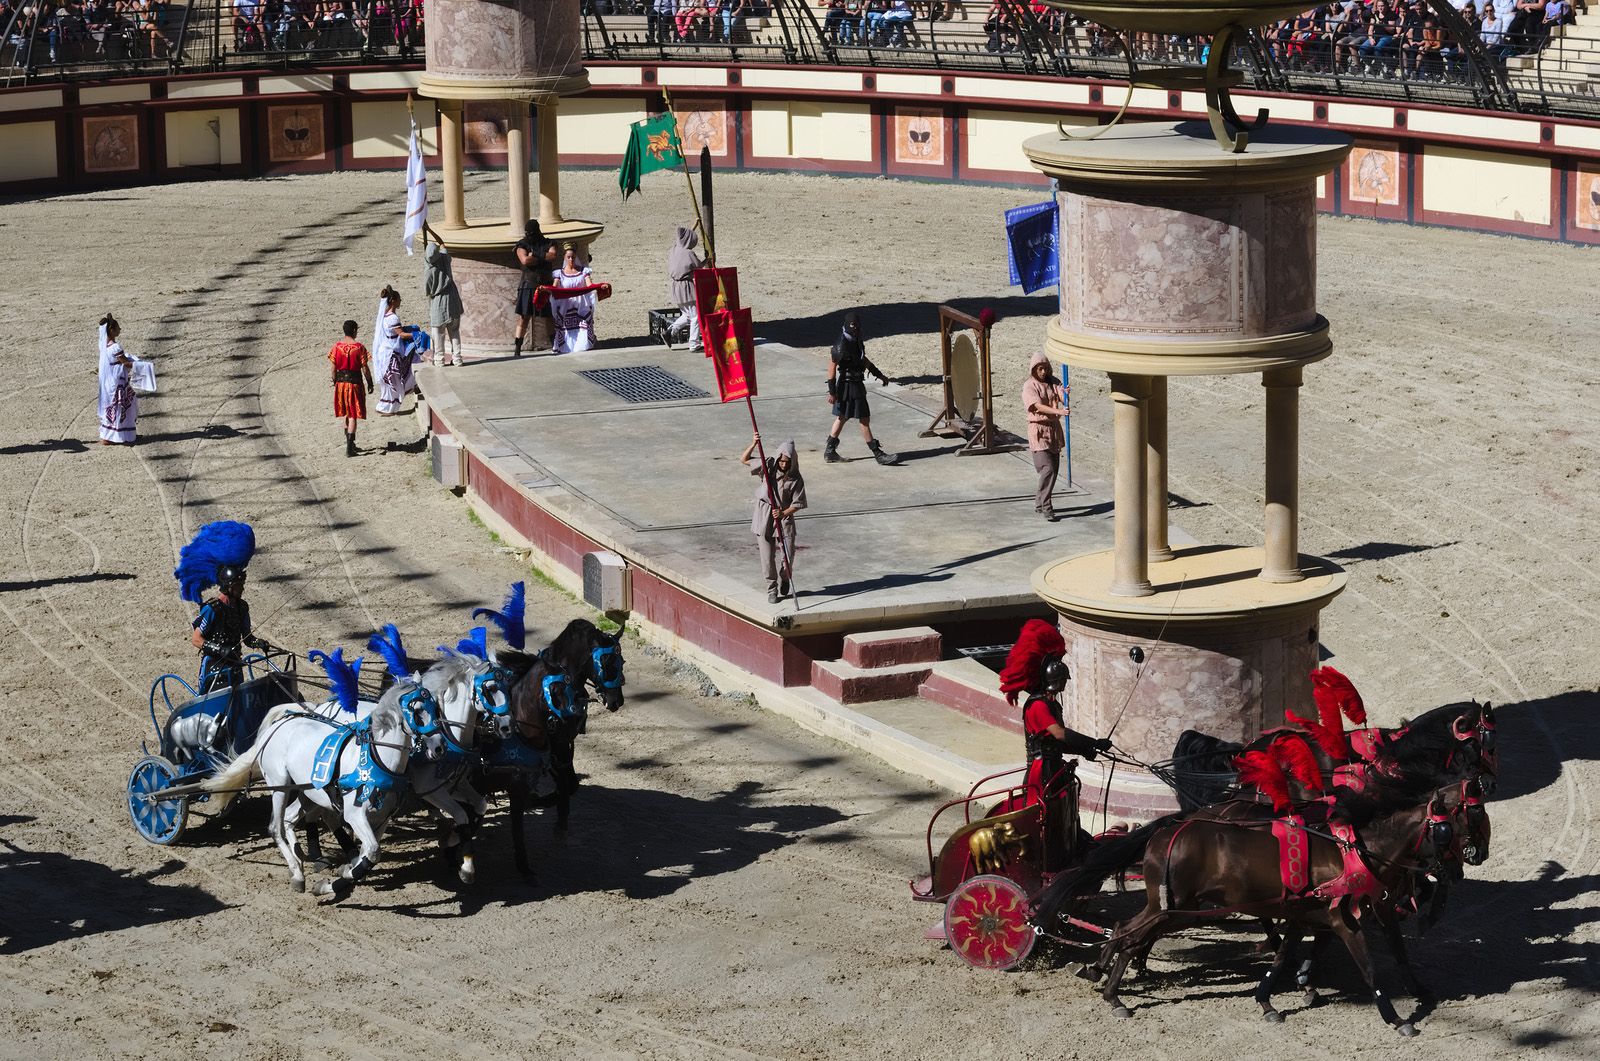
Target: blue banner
1031, 235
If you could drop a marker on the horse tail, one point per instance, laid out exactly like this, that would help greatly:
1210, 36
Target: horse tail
1104, 859
231, 780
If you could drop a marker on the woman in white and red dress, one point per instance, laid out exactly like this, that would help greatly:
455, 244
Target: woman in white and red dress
119, 406
1036, 667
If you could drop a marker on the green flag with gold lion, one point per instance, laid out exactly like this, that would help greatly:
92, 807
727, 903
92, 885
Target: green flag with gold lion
652, 145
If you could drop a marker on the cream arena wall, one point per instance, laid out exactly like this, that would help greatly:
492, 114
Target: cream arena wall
1514, 174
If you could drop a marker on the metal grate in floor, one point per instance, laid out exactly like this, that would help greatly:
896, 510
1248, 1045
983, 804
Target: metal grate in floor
643, 383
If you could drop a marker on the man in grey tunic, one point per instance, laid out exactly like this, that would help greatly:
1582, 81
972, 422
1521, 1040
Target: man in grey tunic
790, 489
444, 304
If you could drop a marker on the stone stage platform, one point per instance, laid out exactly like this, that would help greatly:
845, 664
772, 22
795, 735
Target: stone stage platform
940, 541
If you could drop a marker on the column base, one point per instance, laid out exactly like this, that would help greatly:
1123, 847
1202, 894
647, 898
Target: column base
1213, 649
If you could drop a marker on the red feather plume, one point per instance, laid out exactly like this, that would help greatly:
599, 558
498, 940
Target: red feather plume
1260, 770
1295, 755
1037, 640
1330, 737
1328, 685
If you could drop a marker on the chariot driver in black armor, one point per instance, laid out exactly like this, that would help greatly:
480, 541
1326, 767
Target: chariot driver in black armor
217, 557
1036, 667
222, 629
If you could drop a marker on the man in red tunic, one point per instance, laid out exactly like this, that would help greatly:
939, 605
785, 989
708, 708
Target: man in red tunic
1035, 666
352, 366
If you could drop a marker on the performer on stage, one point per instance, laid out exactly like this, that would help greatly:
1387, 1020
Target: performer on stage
444, 304
218, 556
392, 355
847, 391
1043, 404
1036, 667
119, 406
351, 367
536, 255
682, 261
572, 318
789, 486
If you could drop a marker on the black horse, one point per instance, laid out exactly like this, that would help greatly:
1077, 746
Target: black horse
550, 693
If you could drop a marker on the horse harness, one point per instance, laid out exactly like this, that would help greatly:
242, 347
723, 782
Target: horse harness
370, 781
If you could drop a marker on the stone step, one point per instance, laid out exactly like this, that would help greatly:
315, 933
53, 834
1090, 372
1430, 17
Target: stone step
845, 683
968, 686
890, 648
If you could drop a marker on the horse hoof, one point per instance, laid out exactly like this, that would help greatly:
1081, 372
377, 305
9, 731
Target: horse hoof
467, 875
1311, 998
298, 885
1121, 1012
1273, 1016
1407, 1030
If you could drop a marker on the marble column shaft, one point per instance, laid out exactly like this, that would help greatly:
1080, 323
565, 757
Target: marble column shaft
1157, 548
455, 207
517, 166
549, 165
1281, 562
1130, 571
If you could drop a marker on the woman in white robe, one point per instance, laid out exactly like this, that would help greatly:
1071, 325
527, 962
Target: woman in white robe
119, 406
572, 319
391, 355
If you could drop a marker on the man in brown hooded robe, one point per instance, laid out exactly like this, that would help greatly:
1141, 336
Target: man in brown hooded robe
789, 486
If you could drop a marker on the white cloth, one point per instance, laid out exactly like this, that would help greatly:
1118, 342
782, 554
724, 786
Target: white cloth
572, 319
143, 376
390, 365
416, 190
119, 406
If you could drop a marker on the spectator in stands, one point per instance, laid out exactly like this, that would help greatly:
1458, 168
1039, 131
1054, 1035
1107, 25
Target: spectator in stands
1379, 47
832, 23
733, 13
658, 20
1451, 54
1556, 13
853, 29
998, 24
1524, 29
247, 35
873, 24
895, 21
1346, 48
693, 15
1493, 34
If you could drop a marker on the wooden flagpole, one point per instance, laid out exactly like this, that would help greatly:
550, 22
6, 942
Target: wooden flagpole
755, 429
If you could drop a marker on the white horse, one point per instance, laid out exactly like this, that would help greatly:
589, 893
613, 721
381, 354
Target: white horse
354, 771
462, 688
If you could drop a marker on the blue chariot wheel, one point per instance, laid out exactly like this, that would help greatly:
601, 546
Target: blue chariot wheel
159, 821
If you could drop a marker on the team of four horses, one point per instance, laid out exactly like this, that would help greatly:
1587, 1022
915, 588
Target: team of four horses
477, 721
1310, 828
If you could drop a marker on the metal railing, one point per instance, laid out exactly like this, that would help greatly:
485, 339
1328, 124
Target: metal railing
1451, 64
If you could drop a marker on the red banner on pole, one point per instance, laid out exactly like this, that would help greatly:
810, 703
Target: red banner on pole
731, 345
715, 290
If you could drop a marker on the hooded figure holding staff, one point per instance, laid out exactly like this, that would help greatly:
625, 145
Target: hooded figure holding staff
781, 475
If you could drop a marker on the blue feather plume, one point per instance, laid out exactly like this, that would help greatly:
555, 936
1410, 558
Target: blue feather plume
511, 619
342, 675
387, 644
475, 644
215, 544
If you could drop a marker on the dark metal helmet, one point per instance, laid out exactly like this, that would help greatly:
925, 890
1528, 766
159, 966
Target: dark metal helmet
230, 578
1055, 674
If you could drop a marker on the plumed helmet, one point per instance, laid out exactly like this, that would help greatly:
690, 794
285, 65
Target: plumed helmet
230, 578
1055, 674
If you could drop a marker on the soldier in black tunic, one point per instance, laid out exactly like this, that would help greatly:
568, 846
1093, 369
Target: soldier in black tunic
536, 254
847, 391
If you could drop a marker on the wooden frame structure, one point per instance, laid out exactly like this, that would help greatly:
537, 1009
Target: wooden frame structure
982, 435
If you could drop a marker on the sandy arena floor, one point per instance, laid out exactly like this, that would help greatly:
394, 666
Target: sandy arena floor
733, 886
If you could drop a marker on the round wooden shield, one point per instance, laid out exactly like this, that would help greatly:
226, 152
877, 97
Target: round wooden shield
965, 387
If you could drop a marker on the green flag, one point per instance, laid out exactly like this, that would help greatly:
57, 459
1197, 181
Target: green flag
652, 145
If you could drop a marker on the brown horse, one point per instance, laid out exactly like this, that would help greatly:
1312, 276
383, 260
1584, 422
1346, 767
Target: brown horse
1206, 868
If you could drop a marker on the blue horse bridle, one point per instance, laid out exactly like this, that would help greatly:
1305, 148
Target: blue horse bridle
607, 664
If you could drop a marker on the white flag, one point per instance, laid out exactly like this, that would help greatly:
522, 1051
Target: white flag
416, 189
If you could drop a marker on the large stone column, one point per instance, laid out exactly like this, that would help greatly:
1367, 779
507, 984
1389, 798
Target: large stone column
549, 172
526, 52
1181, 259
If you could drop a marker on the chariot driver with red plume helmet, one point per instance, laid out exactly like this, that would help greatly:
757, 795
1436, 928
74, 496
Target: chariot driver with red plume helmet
217, 557
1036, 667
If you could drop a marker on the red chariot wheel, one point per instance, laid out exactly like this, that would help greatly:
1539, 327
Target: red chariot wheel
986, 923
